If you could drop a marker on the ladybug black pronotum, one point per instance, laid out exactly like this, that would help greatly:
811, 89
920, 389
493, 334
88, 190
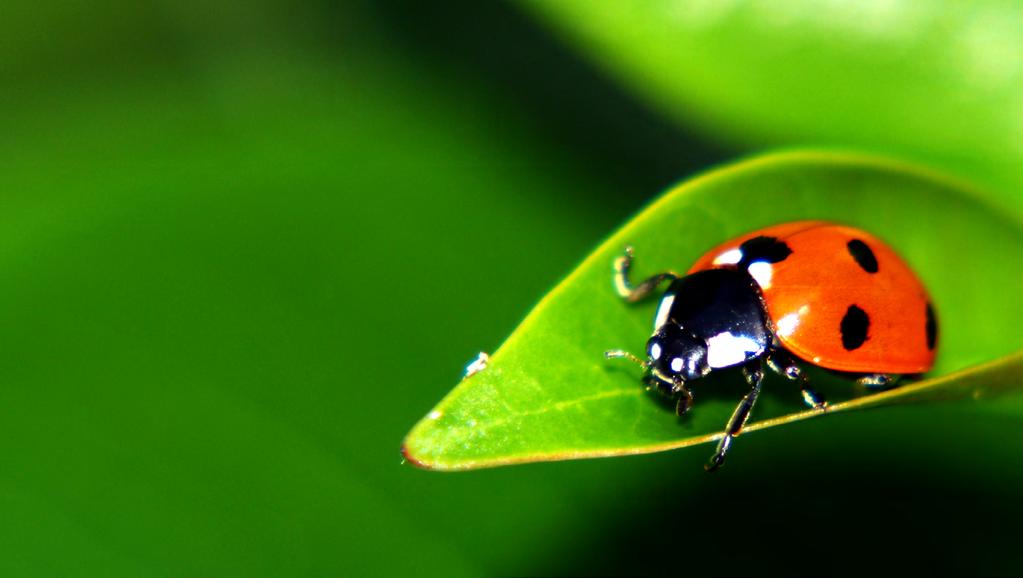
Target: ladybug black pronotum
826, 294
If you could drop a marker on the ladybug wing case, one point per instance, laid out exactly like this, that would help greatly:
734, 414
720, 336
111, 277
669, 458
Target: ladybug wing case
837, 296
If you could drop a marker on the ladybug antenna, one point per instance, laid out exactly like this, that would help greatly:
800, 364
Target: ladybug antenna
620, 354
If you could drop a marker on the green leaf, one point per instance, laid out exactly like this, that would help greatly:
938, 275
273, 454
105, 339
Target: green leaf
548, 393
940, 81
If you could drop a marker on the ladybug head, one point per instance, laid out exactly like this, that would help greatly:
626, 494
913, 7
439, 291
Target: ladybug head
676, 356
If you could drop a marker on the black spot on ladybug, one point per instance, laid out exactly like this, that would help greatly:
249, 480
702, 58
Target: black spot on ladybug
863, 255
931, 328
854, 328
768, 249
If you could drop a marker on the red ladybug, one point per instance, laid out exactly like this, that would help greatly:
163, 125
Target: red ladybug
811, 291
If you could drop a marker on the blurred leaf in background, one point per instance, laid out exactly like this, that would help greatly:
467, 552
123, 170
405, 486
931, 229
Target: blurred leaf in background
246, 245
936, 81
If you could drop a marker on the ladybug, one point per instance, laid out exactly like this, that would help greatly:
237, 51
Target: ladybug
811, 291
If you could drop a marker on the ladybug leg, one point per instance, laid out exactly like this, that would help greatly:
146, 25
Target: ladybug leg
754, 374
633, 293
878, 381
685, 399
785, 366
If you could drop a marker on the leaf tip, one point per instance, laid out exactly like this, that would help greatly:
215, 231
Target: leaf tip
407, 455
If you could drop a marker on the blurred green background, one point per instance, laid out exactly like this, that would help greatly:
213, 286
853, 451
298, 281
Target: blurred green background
247, 245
